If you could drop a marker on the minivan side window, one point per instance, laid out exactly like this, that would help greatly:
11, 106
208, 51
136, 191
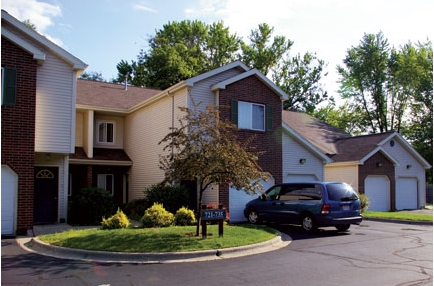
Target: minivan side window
274, 192
310, 192
289, 192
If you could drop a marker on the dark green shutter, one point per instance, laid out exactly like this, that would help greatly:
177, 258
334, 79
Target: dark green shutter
9, 86
269, 118
234, 112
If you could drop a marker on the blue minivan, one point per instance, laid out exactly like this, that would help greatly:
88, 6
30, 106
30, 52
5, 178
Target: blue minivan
311, 205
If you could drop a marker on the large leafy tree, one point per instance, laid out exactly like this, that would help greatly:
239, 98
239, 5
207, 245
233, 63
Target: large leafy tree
299, 77
206, 149
262, 53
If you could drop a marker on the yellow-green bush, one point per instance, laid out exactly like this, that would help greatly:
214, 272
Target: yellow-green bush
185, 216
157, 216
118, 220
364, 202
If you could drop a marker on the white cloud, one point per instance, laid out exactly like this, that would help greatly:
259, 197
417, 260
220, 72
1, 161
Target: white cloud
38, 13
142, 6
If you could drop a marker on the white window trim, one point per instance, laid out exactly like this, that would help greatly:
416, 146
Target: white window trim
242, 116
97, 131
3, 83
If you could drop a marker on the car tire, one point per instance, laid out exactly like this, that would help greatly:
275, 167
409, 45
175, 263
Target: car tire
342, 227
308, 223
253, 217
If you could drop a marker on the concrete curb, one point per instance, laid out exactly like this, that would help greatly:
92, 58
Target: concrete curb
399, 221
37, 246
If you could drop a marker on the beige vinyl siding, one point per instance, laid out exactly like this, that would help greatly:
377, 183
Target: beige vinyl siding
347, 173
118, 132
143, 131
292, 152
55, 106
79, 129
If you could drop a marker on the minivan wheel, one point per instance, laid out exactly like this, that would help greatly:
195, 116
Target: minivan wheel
253, 217
342, 227
307, 223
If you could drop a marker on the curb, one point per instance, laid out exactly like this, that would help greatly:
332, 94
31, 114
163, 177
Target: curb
37, 246
399, 221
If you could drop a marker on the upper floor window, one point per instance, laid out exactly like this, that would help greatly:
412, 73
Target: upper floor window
251, 116
9, 86
106, 132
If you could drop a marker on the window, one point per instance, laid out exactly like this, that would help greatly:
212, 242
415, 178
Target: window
9, 86
252, 116
106, 182
105, 132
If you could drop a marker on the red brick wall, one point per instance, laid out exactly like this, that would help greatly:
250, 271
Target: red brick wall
370, 168
251, 89
18, 130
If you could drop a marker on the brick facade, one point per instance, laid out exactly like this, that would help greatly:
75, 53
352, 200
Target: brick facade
251, 89
18, 130
370, 168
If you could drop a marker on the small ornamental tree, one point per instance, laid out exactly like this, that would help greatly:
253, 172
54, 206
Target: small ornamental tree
206, 149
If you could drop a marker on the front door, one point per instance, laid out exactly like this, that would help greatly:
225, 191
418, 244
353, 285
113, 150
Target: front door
46, 195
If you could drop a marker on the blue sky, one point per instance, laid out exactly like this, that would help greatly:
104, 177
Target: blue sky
104, 32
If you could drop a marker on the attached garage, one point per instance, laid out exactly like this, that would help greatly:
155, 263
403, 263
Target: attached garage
377, 189
9, 187
239, 199
406, 194
300, 178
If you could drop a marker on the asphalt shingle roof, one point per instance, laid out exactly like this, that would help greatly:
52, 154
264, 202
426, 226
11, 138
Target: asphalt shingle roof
110, 95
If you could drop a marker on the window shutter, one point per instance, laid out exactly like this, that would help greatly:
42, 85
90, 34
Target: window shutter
234, 112
269, 118
9, 86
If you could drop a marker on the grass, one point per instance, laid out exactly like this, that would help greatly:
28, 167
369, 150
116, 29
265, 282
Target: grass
399, 216
168, 239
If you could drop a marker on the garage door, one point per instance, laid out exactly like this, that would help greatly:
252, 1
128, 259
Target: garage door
406, 194
300, 178
377, 189
9, 187
238, 200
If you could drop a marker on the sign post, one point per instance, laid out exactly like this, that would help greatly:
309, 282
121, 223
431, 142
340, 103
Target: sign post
213, 215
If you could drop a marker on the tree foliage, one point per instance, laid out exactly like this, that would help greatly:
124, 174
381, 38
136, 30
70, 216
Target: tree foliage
206, 148
95, 76
299, 77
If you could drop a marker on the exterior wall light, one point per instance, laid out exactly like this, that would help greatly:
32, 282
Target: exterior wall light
408, 166
302, 161
379, 164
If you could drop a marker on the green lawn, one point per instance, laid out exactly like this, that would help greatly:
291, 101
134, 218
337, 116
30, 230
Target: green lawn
168, 239
398, 215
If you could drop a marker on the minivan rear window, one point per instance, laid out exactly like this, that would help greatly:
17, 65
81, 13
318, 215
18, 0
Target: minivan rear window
341, 192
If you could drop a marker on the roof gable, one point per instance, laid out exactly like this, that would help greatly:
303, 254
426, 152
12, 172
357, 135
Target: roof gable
32, 35
236, 64
259, 75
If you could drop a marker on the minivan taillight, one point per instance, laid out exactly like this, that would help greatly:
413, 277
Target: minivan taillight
325, 209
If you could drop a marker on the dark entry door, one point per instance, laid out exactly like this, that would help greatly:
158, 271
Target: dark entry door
46, 195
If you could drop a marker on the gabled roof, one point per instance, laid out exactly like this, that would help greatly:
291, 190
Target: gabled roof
319, 133
259, 75
341, 146
236, 64
39, 55
97, 95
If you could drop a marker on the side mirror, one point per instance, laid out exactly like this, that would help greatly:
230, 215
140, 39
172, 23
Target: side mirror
263, 197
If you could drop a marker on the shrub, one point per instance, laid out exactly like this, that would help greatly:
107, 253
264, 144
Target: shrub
185, 216
364, 202
118, 220
89, 205
172, 197
136, 208
157, 216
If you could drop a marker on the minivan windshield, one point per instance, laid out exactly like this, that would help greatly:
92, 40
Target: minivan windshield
341, 192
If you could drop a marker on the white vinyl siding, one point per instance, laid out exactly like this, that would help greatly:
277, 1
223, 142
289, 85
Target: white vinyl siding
292, 152
55, 106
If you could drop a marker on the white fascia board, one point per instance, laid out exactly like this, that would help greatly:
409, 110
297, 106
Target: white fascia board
37, 54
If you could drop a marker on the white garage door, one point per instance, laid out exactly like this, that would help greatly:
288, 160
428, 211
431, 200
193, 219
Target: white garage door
377, 189
9, 186
238, 200
300, 178
406, 194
